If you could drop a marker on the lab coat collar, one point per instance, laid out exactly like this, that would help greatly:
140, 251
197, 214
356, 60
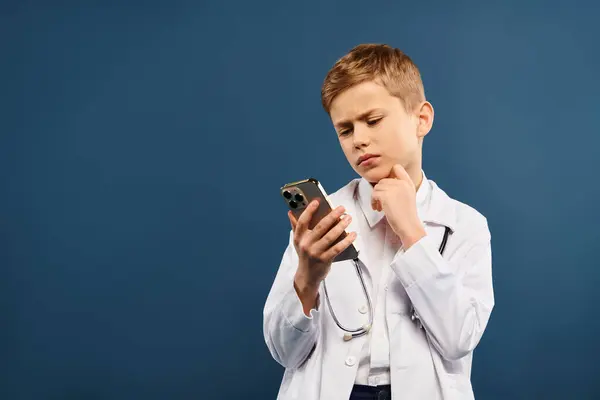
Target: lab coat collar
434, 206
365, 190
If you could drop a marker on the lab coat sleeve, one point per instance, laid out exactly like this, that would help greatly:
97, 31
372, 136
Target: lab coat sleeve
452, 298
289, 334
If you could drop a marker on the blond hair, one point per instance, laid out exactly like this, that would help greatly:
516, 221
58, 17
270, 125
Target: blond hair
381, 63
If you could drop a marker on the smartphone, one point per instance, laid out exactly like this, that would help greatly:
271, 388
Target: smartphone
298, 195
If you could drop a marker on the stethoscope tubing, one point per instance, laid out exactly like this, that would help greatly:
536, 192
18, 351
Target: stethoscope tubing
353, 333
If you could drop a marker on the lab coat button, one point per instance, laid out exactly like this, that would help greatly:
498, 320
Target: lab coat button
350, 361
363, 309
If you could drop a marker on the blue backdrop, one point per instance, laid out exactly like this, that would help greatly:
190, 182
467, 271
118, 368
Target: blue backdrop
143, 145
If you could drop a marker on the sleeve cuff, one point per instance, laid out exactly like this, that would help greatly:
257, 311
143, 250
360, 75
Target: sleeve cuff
420, 262
294, 312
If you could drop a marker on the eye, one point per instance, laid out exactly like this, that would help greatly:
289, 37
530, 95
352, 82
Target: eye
345, 132
373, 122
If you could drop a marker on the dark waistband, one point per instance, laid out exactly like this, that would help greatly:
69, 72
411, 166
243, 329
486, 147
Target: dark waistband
375, 392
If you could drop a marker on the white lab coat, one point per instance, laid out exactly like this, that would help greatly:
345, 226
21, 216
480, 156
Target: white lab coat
452, 296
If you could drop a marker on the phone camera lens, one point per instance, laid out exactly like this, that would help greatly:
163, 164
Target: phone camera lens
287, 195
299, 198
293, 204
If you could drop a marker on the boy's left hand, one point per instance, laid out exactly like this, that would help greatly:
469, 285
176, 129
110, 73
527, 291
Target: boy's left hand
396, 197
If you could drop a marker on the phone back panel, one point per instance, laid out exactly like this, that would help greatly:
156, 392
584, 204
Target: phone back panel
298, 196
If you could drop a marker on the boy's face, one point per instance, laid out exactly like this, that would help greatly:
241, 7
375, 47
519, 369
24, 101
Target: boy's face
370, 121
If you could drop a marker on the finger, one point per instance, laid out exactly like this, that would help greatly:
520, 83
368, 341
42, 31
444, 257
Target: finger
376, 201
334, 233
293, 221
326, 223
305, 217
385, 182
340, 247
376, 205
398, 172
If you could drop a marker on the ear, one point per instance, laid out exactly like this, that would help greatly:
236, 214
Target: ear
425, 116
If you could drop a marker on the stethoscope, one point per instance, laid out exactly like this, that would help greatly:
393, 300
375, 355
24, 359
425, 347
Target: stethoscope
363, 330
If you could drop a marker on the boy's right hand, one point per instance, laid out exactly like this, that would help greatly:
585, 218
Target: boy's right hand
316, 249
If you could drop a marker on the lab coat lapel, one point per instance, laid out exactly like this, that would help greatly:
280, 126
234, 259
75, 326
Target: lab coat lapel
348, 198
356, 212
440, 209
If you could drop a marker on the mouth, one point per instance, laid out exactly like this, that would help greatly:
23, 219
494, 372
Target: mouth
366, 157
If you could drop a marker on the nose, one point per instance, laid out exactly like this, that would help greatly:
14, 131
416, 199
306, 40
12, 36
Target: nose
361, 136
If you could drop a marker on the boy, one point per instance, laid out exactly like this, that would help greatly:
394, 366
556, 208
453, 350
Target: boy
425, 256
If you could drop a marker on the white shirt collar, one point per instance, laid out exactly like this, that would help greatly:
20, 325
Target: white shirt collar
365, 191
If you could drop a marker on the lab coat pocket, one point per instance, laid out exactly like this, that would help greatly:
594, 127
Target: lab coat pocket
303, 383
397, 300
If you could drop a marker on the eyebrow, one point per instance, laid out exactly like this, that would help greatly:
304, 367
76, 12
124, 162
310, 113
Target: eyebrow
363, 115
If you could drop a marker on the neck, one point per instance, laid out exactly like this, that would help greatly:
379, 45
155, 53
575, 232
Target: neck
417, 178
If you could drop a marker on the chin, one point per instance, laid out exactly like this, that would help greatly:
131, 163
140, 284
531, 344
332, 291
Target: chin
374, 175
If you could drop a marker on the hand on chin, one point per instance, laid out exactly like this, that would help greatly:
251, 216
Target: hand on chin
374, 175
